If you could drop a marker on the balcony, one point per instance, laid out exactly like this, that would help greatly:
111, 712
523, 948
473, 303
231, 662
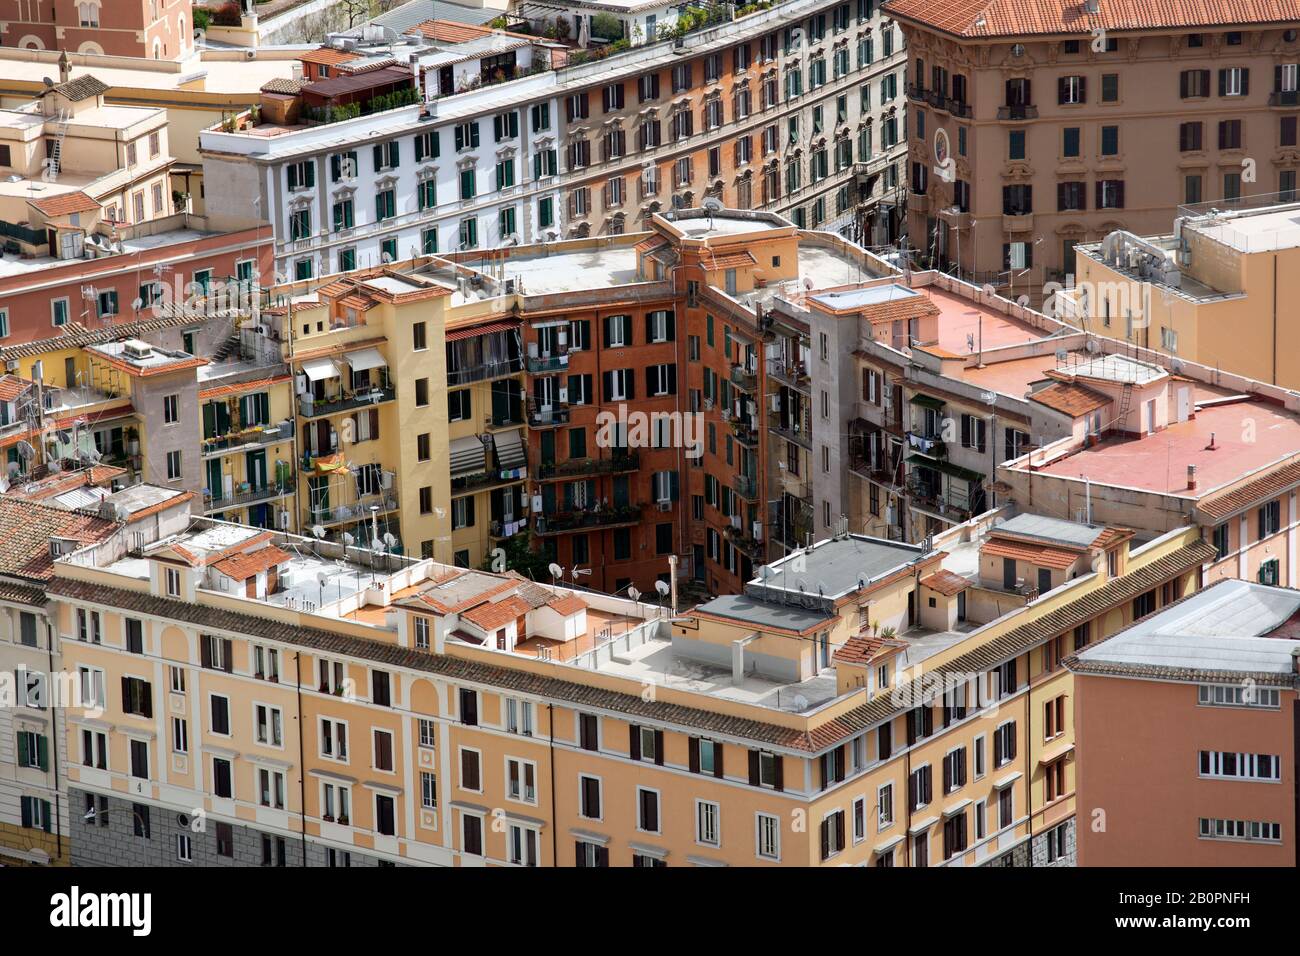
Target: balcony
565, 521
743, 379
484, 372
248, 439
930, 445
744, 432
799, 432
793, 374
918, 202
1284, 98
385, 501
539, 364
1017, 111
544, 416
245, 495
958, 108
747, 487
1018, 223
484, 480
916, 93
955, 218
310, 408
579, 467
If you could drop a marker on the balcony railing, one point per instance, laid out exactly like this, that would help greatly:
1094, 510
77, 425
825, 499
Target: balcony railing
1017, 111
249, 439
802, 435
483, 372
356, 511
487, 479
310, 408
744, 432
1284, 98
247, 497
930, 445
563, 521
577, 467
744, 378
793, 374
538, 364
543, 416
747, 487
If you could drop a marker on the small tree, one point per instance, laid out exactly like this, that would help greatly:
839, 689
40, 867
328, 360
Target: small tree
520, 557
606, 26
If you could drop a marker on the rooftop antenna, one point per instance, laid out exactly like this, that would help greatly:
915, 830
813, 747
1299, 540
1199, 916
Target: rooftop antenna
712, 205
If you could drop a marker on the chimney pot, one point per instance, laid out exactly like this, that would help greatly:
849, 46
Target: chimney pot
1191, 477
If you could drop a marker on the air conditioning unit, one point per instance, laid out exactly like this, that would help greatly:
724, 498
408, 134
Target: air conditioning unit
708, 404
284, 520
665, 506
564, 395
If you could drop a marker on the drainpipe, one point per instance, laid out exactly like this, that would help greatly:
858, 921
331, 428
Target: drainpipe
1029, 790
302, 769
555, 849
54, 737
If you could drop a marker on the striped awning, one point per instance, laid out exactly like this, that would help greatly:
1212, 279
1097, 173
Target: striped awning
510, 449
474, 331
467, 457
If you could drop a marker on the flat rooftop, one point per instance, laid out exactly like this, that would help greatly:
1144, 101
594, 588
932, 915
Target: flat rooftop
1265, 231
1248, 435
832, 568
1075, 534
1232, 626
960, 317
571, 271
231, 76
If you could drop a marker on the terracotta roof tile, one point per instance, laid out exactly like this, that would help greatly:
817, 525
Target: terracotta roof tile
217, 391
990, 18
64, 204
1058, 559
862, 649
241, 567
26, 528
1249, 494
567, 604
495, 614
946, 583
327, 56
82, 88
729, 260
1070, 399
12, 387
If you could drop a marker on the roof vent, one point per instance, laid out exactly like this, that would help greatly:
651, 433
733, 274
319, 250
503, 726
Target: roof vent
136, 349
1092, 6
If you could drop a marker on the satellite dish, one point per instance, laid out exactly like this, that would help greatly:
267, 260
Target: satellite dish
800, 702
988, 289
25, 450
318, 531
348, 539
389, 539
634, 594
322, 577
662, 587
713, 204
1022, 300
556, 571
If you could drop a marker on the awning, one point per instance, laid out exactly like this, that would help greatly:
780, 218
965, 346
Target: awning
317, 369
467, 457
365, 359
927, 401
510, 449
455, 335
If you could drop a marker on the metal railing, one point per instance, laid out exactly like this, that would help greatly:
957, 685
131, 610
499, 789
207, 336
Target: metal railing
309, 408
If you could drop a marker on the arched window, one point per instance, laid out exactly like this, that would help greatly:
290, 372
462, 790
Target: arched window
88, 13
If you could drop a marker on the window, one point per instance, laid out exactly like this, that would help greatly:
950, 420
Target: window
1241, 766
1234, 81
219, 709
920, 787
174, 465
707, 829
1247, 830
470, 779
333, 739
588, 732
521, 780
137, 697
885, 807
768, 836
1238, 695
267, 724
832, 834
647, 810
184, 848
270, 788
589, 797
1004, 744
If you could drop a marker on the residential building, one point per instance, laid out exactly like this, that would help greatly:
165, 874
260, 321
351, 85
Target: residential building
1038, 127
1212, 292
803, 119
34, 816
156, 30
1201, 696
427, 695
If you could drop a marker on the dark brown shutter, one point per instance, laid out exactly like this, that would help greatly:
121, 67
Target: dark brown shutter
912, 790
634, 742
226, 661
205, 651
717, 759
780, 771
826, 838
659, 747
753, 767
580, 858
1182, 84
693, 751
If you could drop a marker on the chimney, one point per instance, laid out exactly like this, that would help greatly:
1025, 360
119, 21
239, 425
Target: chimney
1191, 477
1211, 446
1295, 660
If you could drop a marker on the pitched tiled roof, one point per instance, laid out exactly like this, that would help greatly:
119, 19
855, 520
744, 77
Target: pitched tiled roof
990, 18
327, 56
282, 85
12, 387
241, 567
861, 649
1222, 504
1038, 554
1070, 399
18, 594
216, 391
82, 88
449, 31
567, 604
495, 614
946, 583
729, 260
26, 528
96, 476
911, 307
65, 204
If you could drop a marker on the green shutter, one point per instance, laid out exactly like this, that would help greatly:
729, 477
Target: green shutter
23, 757
43, 752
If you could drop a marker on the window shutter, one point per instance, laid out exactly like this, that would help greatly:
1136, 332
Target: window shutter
1245, 81
1262, 522
753, 768
659, 747
228, 664
652, 379
27, 811
1062, 89
23, 757
1223, 82
966, 419
1183, 84
634, 741
997, 749
1277, 78
693, 751
672, 380
126, 693
1099, 192
205, 651
311, 172
608, 385
912, 789
631, 381
779, 762
580, 858
147, 700
1119, 194
378, 153
826, 838
602, 856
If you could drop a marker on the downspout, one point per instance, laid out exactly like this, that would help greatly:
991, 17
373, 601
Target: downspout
302, 769
54, 736
1029, 789
555, 847
1273, 380
907, 799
